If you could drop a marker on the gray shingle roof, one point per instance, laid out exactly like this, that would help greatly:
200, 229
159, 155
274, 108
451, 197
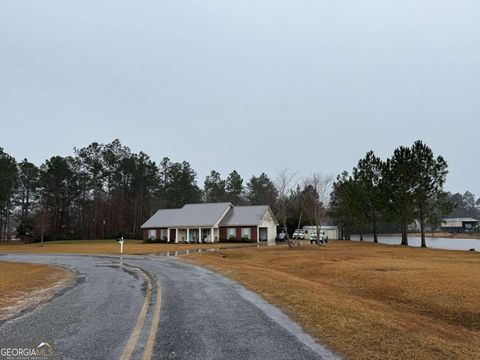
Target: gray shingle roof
200, 214
162, 216
244, 215
191, 215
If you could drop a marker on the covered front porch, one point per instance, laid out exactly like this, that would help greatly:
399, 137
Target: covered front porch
191, 235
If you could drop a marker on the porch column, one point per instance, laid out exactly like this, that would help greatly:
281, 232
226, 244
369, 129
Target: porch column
212, 237
176, 235
188, 235
258, 234
168, 235
199, 235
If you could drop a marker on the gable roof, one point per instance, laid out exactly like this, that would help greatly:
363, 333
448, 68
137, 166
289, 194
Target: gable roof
162, 216
245, 215
201, 215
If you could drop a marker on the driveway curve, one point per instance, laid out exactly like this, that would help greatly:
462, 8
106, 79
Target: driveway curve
156, 307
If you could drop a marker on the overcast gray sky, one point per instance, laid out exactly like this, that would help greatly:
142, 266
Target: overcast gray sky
252, 85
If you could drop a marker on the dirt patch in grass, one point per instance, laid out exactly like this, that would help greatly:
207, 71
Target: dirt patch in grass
23, 286
104, 247
368, 301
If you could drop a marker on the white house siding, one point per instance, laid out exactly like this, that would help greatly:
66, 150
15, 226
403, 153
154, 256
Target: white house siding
332, 233
269, 222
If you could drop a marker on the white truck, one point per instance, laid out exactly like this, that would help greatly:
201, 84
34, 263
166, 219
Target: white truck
323, 238
299, 234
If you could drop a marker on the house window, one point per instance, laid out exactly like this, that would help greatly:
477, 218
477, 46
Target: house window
163, 234
152, 234
246, 233
231, 233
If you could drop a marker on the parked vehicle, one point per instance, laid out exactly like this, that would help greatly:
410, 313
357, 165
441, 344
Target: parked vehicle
323, 238
330, 230
281, 237
299, 234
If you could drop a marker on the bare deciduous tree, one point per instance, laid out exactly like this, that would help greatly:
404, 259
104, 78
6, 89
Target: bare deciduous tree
321, 184
283, 184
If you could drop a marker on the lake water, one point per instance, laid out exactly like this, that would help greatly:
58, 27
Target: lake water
436, 243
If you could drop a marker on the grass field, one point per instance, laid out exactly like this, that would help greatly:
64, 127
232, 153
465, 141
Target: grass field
368, 301
103, 247
19, 281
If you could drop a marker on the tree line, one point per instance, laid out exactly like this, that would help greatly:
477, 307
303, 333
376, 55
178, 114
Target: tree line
465, 205
404, 188
106, 190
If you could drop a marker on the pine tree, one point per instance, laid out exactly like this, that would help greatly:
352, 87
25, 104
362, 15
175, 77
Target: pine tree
214, 188
8, 185
234, 188
368, 174
429, 177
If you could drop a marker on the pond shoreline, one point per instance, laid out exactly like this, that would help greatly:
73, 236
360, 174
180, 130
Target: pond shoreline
414, 240
470, 236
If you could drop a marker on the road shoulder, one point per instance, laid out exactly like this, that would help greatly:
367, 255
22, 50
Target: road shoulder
24, 286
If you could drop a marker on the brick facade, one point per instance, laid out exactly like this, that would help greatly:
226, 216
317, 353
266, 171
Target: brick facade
238, 233
222, 233
158, 234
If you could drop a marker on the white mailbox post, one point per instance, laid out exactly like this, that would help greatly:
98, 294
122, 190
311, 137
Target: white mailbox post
120, 241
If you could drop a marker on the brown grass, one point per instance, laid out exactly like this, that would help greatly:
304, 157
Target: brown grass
369, 301
103, 247
19, 281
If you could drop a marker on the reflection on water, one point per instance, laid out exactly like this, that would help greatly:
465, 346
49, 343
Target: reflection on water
195, 251
185, 252
436, 243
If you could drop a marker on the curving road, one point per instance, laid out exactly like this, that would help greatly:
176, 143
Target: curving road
156, 307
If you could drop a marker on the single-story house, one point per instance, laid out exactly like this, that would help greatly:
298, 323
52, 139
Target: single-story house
459, 224
212, 222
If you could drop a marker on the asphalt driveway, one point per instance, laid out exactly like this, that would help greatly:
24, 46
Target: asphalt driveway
160, 308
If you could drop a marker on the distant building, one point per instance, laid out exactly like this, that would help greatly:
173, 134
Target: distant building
457, 225
330, 230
